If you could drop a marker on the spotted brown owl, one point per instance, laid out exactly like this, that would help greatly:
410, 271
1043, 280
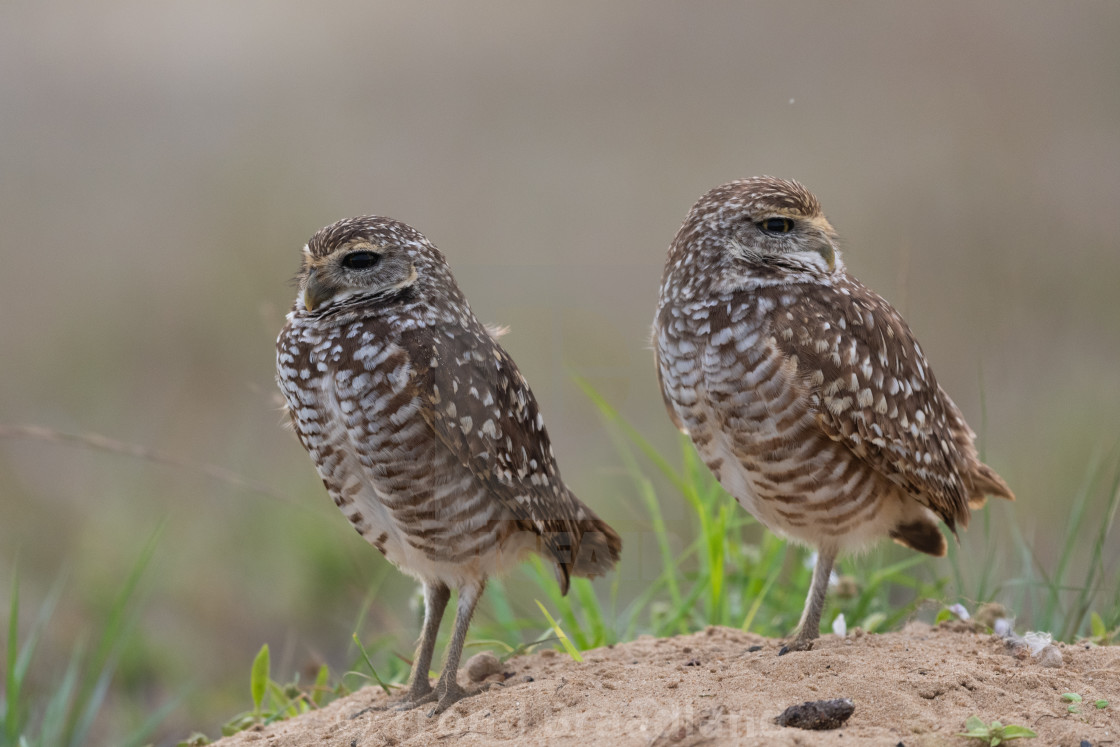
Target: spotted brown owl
804, 391
423, 430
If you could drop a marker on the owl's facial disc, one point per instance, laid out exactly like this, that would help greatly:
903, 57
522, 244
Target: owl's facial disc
788, 236
359, 268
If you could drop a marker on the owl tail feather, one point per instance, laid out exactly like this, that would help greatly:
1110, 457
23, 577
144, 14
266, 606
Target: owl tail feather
923, 536
599, 548
985, 482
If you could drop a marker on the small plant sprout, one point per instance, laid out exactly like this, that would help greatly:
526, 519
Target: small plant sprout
994, 733
258, 679
1074, 700
1099, 634
273, 701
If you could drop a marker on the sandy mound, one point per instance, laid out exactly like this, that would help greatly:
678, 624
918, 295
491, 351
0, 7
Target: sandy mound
915, 687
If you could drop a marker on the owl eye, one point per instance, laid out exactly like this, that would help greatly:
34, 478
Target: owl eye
776, 225
360, 260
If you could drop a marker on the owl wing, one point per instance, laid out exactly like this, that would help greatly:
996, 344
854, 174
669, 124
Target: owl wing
481, 408
872, 390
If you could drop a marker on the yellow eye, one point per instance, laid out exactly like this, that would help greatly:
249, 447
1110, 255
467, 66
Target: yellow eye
776, 225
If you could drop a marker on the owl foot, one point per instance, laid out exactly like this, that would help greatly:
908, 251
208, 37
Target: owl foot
797, 644
414, 698
452, 694
411, 702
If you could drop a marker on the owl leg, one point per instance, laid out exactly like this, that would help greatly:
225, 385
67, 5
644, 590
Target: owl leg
810, 626
448, 689
435, 602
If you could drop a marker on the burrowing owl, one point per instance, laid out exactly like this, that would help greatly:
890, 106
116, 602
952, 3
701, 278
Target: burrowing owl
424, 432
805, 392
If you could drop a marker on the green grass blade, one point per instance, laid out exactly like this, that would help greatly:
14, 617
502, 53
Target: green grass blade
365, 657
1026, 563
322, 687
140, 737
102, 665
1097, 628
54, 717
499, 603
258, 678
668, 562
589, 605
1090, 587
92, 704
1073, 530
644, 486
46, 612
633, 434
641, 602
673, 625
759, 598
369, 599
567, 644
12, 701
477, 642
544, 580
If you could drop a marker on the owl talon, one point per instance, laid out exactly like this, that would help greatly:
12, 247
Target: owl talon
452, 695
414, 698
797, 644
411, 702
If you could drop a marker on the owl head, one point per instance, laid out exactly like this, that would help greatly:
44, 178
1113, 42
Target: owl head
364, 260
760, 228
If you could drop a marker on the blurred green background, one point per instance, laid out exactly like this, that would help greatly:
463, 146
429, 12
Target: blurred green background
163, 163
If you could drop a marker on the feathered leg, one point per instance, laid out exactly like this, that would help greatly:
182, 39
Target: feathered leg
447, 689
809, 628
435, 602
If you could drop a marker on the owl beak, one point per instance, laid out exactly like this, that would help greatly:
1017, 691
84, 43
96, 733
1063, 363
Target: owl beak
829, 255
316, 293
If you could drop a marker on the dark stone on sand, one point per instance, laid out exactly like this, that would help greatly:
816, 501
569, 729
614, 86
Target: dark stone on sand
817, 714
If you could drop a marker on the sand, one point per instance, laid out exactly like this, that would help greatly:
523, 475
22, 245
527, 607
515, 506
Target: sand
914, 687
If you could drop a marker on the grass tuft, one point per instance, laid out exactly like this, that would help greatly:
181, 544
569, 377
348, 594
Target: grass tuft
65, 714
